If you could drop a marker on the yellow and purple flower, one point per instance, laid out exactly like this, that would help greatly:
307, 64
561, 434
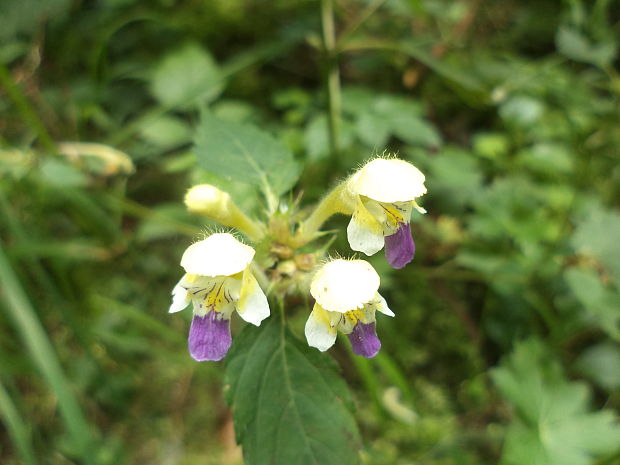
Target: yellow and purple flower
384, 192
218, 281
347, 297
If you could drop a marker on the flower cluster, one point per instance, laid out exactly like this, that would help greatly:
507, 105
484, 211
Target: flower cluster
219, 270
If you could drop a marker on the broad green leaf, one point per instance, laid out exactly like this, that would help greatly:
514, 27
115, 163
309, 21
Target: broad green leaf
553, 424
188, 76
243, 153
357, 100
601, 363
600, 302
289, 405
373, 130
415, 130
597, 236
244, 195
378, 117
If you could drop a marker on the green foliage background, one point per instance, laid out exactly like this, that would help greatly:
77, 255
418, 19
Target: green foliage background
506, 345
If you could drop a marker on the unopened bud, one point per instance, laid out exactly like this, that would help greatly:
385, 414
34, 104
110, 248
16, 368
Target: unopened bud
209, 201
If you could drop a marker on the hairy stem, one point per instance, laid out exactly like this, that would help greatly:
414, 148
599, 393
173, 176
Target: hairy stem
334, 202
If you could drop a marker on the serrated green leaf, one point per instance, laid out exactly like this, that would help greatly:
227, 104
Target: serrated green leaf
243, 153
553, 423
187, 76
289, 405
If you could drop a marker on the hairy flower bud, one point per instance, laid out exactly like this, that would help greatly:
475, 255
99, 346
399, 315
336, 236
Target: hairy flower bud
209, 201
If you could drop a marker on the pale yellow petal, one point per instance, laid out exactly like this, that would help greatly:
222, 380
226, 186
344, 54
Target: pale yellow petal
364, 232
180, 297
381, 305
253, 306
320, 332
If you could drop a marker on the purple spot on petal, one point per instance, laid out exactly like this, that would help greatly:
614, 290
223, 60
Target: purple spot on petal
364, 339
399, 247
209, 337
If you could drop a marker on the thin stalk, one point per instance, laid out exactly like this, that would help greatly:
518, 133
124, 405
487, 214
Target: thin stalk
25, 109
330, 204
332, 74
16, 427
44, 357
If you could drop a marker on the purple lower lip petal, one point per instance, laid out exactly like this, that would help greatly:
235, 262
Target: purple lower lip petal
209, 337
364, 340
399, 247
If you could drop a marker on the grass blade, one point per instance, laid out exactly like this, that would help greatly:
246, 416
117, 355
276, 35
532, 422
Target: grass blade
44, 357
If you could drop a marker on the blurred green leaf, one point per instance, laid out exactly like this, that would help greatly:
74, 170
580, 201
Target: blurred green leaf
553, 424
166, 132
189, 76
163, 222
597, 235
575, 45
601, 363
243, 153
492, 145
60, 173
35, 339
521, 110
316, 140
289, 405
548, 158
599, 301
16, 427
377, 117
25, 16
454, 176
513, 208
